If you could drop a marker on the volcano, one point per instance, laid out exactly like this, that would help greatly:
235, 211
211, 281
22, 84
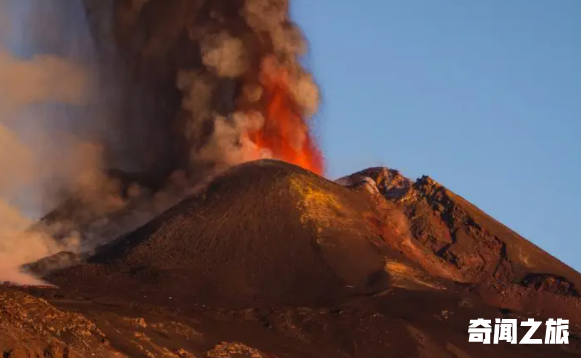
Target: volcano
272, 260
196, 246
273, 233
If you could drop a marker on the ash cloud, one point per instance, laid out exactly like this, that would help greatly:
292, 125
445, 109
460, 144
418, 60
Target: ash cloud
207, 70
159, 98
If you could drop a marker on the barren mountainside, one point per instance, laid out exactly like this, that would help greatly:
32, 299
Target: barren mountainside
271, 260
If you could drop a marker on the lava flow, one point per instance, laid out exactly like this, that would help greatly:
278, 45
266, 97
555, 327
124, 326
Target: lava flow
285, 133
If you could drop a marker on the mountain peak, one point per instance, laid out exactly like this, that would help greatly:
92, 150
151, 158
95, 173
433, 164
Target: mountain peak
390, 182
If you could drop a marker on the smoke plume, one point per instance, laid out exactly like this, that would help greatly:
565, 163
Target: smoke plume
219, 82
118, 108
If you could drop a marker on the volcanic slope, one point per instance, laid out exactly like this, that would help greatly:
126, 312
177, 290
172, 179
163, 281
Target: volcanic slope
454, 239
264, 233
271, 260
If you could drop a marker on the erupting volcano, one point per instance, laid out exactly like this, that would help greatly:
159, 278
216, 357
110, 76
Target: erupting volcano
175, 242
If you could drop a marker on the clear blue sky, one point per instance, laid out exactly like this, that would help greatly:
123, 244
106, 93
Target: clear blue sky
483, 96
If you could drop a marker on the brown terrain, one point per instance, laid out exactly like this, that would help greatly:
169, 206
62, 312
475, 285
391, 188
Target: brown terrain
271, 260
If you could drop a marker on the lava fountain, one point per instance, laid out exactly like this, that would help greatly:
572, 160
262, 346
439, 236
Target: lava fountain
285, 133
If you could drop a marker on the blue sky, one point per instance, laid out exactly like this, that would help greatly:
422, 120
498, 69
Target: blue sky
483, 96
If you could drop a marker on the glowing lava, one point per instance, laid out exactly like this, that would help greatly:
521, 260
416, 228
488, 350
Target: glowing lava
285, 133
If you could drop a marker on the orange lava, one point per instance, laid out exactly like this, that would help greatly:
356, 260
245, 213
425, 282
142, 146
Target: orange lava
285, 132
